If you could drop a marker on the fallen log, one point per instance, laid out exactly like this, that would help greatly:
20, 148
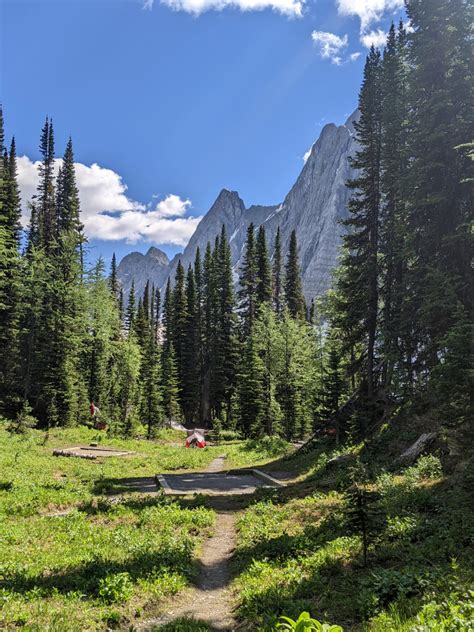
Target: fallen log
413, 452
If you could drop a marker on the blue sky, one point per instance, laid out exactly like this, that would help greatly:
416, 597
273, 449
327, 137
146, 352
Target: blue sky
174, 100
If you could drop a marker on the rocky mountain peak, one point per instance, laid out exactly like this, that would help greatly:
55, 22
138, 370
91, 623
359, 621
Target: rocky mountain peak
313, 207
158, 255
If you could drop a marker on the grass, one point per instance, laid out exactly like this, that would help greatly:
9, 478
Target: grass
74, 557
295, 552
80, 551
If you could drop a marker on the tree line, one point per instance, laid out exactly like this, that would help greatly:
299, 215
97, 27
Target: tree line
394, 333
202, 354
402, 305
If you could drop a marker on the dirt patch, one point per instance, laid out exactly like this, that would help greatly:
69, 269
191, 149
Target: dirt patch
90, 452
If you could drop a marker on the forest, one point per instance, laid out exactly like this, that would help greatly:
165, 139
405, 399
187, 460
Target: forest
394, 331
384, 356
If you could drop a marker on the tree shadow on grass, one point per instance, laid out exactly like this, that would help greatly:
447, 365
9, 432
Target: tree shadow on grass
402, 566
86, 577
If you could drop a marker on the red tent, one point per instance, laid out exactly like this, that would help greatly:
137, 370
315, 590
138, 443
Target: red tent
195, 440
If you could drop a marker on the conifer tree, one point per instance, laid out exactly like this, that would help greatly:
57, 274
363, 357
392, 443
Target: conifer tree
225, 328
360, 279
439, 201
249, 389
67, 200
113, 279
293, 285
131, 309
47, 210
179, 325
392, 212
156, 311
209, 310
10, 281
121, 302
168, 316
277, 276
190, 385
248, 283
170, 388
263, 288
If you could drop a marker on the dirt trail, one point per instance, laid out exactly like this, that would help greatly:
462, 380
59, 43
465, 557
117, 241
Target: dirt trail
210, 600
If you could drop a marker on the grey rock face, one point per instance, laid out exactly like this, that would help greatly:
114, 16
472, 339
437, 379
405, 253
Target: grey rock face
140, 268
313, 207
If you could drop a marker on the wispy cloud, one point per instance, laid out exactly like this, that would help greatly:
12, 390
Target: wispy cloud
368, 11
148, 5
109, 213
290, 8
376, 38
330, 45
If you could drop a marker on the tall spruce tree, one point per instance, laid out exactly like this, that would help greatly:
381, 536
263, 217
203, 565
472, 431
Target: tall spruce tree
179, 325
113, 279
293, 285
248, 283
439, 201
360, 278
263, 288
392, 220
131, 309
190, 384
10, 280
225, 328
277, 274
47, 219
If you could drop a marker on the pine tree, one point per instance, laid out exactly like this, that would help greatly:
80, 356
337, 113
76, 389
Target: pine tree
46, 210
190, 384
103, 325
225, 354
359, 281
156, 311
267, 338
113, 279
248, 284
170, 388
10, 281
263, 288
131, 309
249, 389
277, 267
439, 202
332, 386
179, 325
199, 325
146, 301
208, 327
293, 286
168, 316
121, 303
392, 267
11, 210
67, 200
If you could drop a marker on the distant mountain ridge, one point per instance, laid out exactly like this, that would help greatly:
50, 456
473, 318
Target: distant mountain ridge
313, 207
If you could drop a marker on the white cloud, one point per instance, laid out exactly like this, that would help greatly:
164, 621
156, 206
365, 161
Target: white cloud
290, 8
354, 56
172, 206
376, 38
148, 5
107, 211
134, 226
329, 45
368, 11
